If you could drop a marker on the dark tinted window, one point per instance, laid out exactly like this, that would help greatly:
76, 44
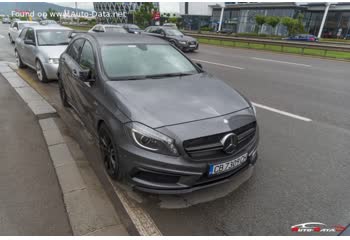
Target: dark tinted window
75, 48
87, 60
30, 35
23, 33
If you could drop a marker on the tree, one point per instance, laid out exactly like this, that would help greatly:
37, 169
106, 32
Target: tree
273, 21
52, 14
291, 25
260, 20
143, 16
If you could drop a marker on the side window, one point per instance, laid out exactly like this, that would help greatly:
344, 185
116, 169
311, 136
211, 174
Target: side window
157, 30
15, 25
75, 48
30, 34
23, 33
87, 60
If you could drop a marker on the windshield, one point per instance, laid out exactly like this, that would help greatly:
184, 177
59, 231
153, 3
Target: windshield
22, 25
115, 29
144, 61
51, 37
173, 32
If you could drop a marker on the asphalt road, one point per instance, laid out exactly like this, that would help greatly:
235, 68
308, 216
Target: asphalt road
302, 174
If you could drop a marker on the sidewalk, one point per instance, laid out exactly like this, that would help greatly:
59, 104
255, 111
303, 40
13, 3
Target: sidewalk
31, 201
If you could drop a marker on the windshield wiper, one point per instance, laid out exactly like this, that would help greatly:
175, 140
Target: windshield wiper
168, 75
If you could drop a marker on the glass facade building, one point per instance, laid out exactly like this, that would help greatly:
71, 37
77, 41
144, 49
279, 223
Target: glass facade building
240, 18
119, 12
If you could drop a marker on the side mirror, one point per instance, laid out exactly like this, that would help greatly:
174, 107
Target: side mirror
15, 28
199, 65
29, 42
163, 34
85, 75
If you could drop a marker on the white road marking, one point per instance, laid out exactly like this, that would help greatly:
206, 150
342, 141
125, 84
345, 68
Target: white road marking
277, 61
218, 64
1, 36
141, 219
282, 112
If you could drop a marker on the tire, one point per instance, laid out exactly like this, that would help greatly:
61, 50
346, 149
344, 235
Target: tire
63, 94
40, 72
109, 152
19, 62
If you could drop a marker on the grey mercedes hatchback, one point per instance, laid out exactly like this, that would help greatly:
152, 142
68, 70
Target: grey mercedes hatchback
163, 124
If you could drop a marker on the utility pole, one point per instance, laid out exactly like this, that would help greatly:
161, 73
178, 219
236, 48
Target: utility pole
221, 17
328, 4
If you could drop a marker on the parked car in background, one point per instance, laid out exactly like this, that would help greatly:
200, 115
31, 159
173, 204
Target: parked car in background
175, 37
40, 47
225, 31
48, 22
302, 37
163, 124
131, 28
108, 28
6, 20
171, 25
16, 28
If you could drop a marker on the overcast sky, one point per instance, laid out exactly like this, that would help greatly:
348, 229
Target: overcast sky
168, 7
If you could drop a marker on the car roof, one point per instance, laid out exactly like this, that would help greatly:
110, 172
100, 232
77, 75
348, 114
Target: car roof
49, 27
109, 25
122, 38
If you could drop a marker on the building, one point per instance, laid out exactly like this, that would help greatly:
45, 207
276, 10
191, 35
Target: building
240, 17
118, 12
197, 14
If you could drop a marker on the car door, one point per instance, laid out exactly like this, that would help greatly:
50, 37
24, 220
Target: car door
69, 72
86, 91
12, 30
20, 43
28, 51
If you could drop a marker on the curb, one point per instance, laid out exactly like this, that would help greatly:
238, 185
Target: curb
83, 218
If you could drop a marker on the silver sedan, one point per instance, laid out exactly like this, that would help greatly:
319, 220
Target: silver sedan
40, 47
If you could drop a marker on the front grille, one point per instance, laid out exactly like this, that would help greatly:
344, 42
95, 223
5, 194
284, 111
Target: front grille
193, 43
210, 146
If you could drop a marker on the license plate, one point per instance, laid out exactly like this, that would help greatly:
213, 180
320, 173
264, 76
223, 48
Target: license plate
215, 169
193, 46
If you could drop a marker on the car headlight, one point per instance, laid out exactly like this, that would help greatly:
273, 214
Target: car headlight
183, 42
151, 140
54, 60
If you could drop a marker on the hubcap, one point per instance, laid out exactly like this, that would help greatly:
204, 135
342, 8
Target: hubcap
39, 72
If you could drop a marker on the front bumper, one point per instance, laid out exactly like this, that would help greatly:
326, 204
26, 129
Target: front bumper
161, 174
187, 47
51, 70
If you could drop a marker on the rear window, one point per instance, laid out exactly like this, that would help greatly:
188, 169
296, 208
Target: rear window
115, 29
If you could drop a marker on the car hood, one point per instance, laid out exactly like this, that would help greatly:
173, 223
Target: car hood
183, 38
52, 51
164, 102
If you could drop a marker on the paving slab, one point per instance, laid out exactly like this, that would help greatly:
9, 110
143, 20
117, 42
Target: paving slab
40, 107
28, 94
69, 178
60, 155
53, 137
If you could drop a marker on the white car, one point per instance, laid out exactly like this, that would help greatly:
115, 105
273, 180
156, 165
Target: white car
101, 28
16, 28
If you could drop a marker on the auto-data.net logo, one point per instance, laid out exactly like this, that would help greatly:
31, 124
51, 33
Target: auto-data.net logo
316, 227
